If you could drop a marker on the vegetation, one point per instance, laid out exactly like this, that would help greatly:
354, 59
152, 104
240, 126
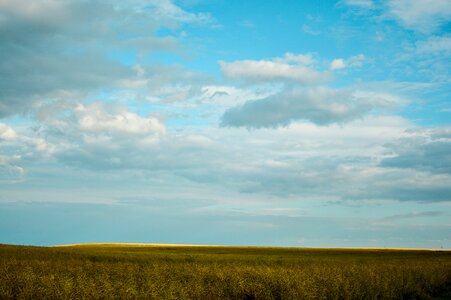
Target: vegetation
189, 272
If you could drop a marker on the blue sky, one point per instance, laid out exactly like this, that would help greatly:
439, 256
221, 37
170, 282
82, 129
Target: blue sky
294, 123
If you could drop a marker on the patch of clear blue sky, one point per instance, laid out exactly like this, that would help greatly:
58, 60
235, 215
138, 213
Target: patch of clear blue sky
87, 223
126, 57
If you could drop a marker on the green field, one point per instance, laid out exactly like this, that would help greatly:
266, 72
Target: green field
191, 272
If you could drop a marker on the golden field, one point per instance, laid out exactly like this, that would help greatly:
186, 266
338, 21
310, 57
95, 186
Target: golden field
141, 271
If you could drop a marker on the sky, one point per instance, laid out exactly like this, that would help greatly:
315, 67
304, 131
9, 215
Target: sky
285, 123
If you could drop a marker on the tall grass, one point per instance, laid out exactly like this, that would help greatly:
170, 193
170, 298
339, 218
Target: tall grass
131, 272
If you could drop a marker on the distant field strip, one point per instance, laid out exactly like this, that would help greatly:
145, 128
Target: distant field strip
259, 247
155, 271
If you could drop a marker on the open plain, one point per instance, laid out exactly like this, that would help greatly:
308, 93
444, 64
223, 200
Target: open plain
134, 271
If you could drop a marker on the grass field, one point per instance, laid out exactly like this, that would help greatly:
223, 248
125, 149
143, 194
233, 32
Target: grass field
192, 272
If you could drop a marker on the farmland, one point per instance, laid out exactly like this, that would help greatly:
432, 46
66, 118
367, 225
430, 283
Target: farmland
211, 272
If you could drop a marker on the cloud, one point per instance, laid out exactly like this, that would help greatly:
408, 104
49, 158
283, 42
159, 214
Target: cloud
289, 68
309, 30
340, 63
9, 171
149, 44
435, 45
167, 10
383, 183
303, 59
421, 15
164, 83
303, 161
95, 119
44, 11
230, 95
424, 150
63, 49
291, 100
103, 137
414, 215
15, 149
99, 120
7, 133
320, 105
359, 3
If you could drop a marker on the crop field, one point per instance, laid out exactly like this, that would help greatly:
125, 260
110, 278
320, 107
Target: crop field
210, 272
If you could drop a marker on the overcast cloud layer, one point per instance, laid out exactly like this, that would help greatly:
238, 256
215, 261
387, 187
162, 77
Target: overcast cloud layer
207, 122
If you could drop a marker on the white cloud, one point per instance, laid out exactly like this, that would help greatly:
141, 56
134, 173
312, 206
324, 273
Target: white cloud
353, 61
291, 67
304, 59
300, 161
421, 15
7, 133
94, 118
337, 64
360, 3
165, 9
434, 45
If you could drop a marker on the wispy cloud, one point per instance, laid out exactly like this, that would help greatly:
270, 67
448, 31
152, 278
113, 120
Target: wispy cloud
414, 215
422, 15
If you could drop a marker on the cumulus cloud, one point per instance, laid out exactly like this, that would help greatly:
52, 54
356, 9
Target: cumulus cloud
321, 106
101, 137
421, 15
94, 118
340, 63
290, 68
294, 98
97, 120
303, 161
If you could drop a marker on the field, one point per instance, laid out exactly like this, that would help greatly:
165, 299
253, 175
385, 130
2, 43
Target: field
192, 272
